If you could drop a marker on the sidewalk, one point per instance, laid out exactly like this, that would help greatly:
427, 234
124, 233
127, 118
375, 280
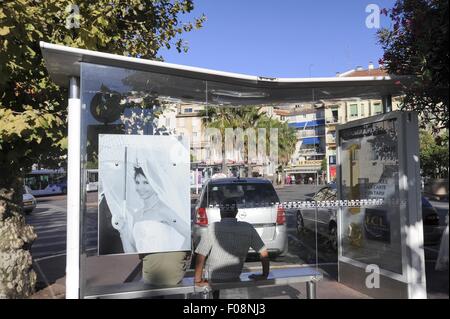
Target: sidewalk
51, 275
51, 279
326, 289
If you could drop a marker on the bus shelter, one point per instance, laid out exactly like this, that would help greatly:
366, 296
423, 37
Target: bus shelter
113, 105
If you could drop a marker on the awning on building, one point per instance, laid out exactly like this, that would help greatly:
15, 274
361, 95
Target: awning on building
311, 141
307, 124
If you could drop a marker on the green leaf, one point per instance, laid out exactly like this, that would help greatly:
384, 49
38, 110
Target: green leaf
4, 30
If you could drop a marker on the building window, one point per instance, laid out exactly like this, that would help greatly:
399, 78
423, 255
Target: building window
377, 108
188, 110
332, 159
353, 110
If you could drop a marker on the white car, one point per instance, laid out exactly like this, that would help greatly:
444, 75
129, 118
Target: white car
256, 199
29, 202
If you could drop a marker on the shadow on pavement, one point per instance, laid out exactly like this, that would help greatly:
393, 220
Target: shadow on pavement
49, 270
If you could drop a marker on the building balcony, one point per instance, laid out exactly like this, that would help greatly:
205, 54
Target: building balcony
188, 114
330, 139
307, 124
307, 109
310, 133
311, 151
333, 120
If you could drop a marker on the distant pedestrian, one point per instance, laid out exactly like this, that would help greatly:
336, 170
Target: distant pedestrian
288, 179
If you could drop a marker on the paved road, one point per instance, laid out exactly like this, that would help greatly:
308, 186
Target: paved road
49, 221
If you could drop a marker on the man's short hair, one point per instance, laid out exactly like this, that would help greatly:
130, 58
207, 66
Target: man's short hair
228, 208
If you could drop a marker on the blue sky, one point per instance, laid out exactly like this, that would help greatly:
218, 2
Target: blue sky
284, 38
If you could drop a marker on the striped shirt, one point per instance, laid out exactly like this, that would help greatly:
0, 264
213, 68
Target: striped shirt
226, 243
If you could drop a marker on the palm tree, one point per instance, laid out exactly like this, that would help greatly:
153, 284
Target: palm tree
287, 140
250, 117
219, 118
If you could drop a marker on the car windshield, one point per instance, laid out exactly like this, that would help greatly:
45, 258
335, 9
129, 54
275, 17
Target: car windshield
245, 194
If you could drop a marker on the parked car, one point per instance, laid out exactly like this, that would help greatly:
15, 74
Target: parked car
255, 198
29, 202
327, 219
431, 223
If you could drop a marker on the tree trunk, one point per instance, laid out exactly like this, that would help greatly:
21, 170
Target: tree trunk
283, 175
17, 278
249, 169
224, 164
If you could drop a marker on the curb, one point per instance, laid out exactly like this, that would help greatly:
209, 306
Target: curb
55, 291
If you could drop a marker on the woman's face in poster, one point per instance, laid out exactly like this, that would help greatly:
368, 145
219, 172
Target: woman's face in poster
143, 187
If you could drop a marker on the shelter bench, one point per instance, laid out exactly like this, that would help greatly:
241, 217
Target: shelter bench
277, 277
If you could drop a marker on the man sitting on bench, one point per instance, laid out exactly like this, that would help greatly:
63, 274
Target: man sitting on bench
225, 246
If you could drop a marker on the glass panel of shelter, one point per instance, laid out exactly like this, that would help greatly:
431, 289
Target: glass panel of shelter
121, 102
129, 102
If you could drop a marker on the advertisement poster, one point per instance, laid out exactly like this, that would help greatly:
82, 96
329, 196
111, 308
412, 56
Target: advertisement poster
144, 199
370, 170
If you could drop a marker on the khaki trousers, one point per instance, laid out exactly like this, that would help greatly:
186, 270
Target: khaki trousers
163, 269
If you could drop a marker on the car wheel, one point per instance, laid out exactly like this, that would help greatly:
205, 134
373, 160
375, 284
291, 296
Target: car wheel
332, 237
300, 225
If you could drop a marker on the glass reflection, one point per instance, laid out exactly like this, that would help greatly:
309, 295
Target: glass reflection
370, 170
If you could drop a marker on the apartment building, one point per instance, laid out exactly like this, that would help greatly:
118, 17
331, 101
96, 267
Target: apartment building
308, 120
185, 119
346, 110
343, 111
316, 127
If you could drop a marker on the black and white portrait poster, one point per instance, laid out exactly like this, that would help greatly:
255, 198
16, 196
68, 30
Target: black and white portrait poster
144, 200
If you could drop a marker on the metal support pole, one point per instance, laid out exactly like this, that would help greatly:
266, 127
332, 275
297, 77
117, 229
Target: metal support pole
74, 88
196, 181
207, 293
316, 235
311, 290
73, 191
